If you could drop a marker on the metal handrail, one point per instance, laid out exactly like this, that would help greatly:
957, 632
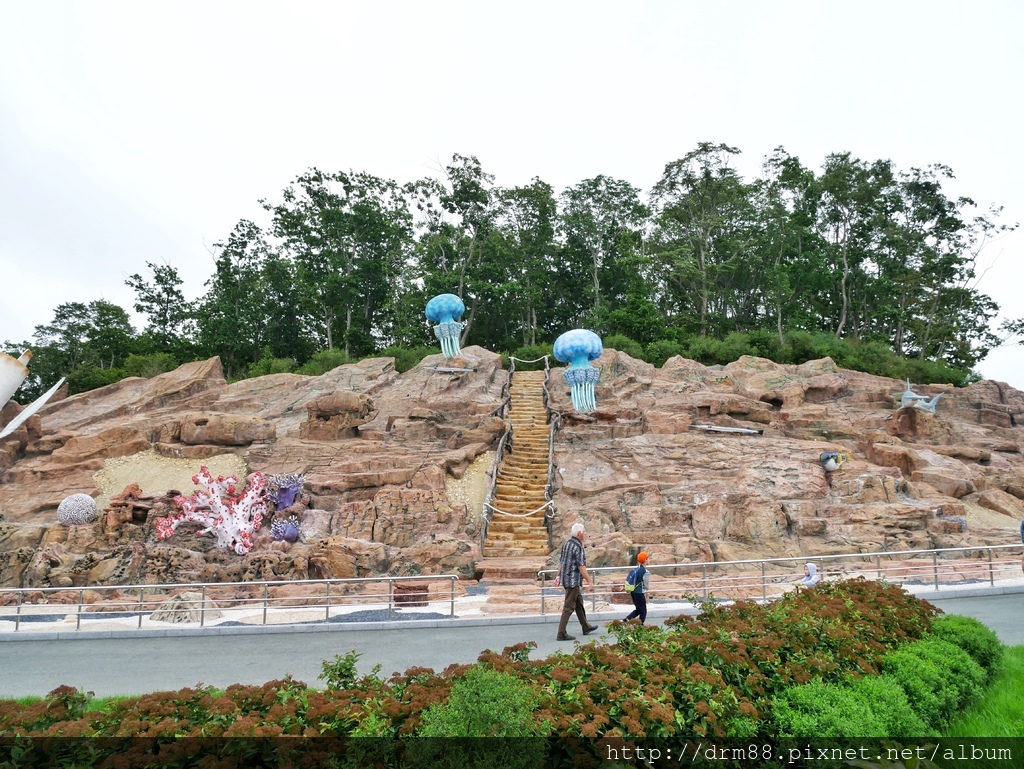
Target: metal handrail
134, 600
713, 578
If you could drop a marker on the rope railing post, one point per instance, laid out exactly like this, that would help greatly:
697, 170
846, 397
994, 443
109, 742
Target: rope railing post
391, 596
935, 567
878, 564
764, 581
991, 569
17, 613
266, 600
704, 569
142, 599
327, 600
451, 612
78, 610
543, 590
202, 608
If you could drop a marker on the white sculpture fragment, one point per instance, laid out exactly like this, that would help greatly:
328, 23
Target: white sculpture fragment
12, 373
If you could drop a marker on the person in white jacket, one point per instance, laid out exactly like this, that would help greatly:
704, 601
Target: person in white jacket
811, 576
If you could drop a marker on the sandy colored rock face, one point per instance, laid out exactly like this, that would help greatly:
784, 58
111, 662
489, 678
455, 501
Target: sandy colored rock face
396, 468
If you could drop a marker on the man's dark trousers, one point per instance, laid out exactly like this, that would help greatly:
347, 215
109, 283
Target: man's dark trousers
573, 603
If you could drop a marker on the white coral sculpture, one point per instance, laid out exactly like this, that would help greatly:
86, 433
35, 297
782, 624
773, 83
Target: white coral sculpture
234, 519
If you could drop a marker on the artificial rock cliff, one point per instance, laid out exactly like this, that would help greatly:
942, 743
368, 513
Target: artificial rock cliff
387, 457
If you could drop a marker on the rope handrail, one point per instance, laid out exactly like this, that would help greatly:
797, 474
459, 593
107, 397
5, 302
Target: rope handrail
535, 360
517, 515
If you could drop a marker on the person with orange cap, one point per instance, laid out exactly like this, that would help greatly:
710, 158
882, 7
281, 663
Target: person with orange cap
640, 578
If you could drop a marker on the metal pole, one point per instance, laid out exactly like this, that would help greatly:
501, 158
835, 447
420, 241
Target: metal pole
391, 596
878, 564
991, 571
202, 608
543, 590
704, 569
78, 613
764, 583
141, 599
266, 595
327, 598
935, 568
17, 613
452, 614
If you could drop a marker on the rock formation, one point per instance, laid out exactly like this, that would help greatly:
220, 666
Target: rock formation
381, 452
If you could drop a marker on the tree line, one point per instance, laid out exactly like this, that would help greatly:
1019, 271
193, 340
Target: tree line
860, 260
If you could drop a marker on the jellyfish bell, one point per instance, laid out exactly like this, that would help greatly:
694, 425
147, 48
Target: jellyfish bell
444, 310
577, 348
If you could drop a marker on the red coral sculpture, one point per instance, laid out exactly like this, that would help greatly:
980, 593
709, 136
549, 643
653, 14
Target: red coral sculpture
234, 519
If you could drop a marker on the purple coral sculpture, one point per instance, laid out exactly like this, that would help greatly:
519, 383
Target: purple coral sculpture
284, 490
286, 530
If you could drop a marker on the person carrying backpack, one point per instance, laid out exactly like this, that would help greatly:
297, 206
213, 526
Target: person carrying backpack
640, 580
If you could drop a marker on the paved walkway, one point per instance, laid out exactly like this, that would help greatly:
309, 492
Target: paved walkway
129, 664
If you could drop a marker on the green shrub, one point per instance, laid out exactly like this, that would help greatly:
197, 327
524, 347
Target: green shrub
90, 377
826, 710
623, 343
931, 693
873, 706
532, 352
323, 361
891, 705
150, 365
407, 357
268, 364
956, 665
484, 703
659, 352
973, 637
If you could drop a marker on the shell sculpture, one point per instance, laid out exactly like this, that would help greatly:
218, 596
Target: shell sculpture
77, 509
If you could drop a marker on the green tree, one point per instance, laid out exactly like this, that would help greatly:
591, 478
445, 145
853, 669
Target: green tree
349, 236
163, 303
232, 318
701, 238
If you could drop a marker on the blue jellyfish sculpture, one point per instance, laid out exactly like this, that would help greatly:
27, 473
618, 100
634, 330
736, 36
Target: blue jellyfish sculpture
577, 348
444, 309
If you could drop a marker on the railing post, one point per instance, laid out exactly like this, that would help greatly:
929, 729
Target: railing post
991, 570
452, 612
142, 598
327, 599
878, 565
935, 567
764, 582
17, 613
704, 569
391, 596
266, 597
78, 612
202, 608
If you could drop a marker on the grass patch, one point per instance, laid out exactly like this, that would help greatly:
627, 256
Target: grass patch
1001, 712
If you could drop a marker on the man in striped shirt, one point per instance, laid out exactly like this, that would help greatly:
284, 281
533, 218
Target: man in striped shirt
572, 571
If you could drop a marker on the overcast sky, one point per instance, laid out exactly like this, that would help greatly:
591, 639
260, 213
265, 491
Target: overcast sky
134, 132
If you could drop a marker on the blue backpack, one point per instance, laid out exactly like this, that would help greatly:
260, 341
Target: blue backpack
633, 579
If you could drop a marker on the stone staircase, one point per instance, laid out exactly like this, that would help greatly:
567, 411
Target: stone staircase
522, 478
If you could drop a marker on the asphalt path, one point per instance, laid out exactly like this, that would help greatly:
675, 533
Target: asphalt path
133, 665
